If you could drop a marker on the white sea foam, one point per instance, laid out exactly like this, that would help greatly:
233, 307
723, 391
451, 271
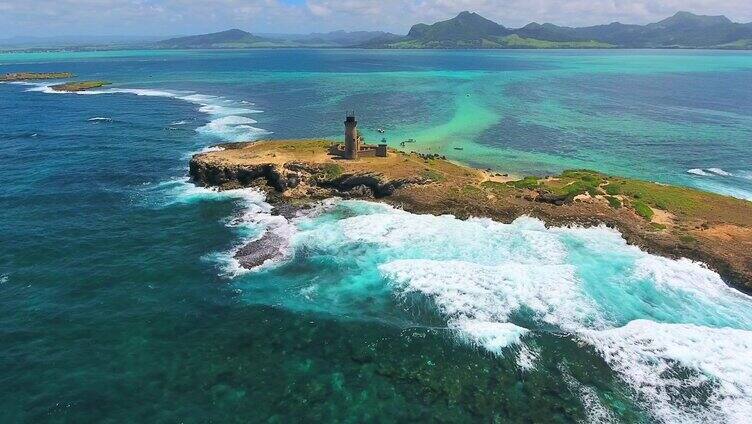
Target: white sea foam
255, 219
231, 123
719, 171
482, 293
594, 408
495, 283
526, 358
648, 355
99, 119
232, 128
493, 336
698, 171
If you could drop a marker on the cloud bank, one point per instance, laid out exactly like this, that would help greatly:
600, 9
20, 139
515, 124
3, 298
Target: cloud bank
169, 17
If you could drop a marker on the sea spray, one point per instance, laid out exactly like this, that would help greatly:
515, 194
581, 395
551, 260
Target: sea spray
496, 285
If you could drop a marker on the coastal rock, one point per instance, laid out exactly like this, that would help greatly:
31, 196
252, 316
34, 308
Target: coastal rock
254, 254
706, 227
554, 199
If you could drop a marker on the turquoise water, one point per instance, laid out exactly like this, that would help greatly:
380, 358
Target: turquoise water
120, 301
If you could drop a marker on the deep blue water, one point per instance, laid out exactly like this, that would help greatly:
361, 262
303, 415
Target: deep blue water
118, 300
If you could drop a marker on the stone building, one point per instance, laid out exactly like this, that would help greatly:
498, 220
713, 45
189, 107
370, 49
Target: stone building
354, 147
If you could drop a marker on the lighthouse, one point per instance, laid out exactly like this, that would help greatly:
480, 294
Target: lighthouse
352, 141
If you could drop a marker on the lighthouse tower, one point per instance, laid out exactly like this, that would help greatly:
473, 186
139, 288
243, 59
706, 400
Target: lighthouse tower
352, 142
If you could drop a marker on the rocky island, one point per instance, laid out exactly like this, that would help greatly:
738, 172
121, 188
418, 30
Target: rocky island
666, 220
73, 87
28, 76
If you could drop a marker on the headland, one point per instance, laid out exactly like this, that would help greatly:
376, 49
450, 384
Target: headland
661, 219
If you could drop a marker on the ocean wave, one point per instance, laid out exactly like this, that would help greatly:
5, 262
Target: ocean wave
719, 171
656, 321
233, 128
99, 119
650, 357
709, 172
254, 220
230, 125
698, 171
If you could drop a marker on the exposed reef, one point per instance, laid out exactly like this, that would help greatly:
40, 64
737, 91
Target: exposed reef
666, 220
73, 87
28, 76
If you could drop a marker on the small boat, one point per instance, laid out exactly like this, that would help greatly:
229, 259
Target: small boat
410, 140
380, 131
459, 148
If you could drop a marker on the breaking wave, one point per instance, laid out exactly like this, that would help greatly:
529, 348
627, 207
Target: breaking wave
230, 123
667, 327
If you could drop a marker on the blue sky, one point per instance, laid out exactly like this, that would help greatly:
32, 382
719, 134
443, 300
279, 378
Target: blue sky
173, 17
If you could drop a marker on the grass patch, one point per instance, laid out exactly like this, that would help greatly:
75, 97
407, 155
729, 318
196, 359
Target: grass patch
496, 187
332, 170
472, 190
643, 210
573, 183
687, 239
614, 202
525, 183
657, 227
613, 189
432, 174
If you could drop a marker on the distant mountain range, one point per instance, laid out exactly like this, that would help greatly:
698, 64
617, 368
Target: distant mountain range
683, 30
236, 38
466, 30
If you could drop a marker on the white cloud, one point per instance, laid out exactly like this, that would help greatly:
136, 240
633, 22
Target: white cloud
135, 17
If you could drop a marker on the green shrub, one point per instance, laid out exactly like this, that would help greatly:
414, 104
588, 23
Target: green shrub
643, 210
527, 182
432, 174
614, 202
332, 171
613, 189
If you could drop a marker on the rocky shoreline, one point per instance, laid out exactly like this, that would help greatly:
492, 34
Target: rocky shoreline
716, 230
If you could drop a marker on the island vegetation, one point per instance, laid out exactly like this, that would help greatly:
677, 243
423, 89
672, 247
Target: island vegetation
666, 220
77, 86
682, 30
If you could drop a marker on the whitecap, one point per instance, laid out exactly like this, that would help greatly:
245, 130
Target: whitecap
99, 119
232, 128
231, 125
493, 336
648, 355
698, 171
254, 220
719, 171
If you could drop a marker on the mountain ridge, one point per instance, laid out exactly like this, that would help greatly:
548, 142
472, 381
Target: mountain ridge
682, 30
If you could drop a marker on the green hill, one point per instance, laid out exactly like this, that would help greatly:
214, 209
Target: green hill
683, 30
234, 38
